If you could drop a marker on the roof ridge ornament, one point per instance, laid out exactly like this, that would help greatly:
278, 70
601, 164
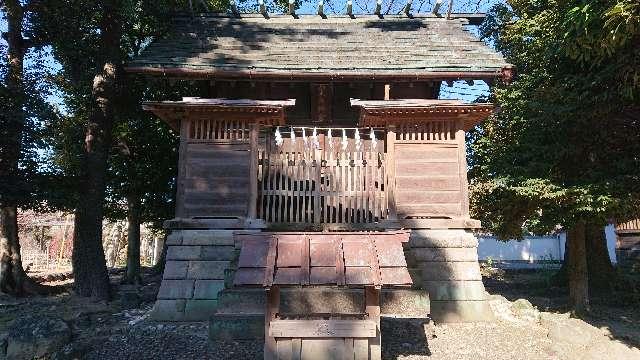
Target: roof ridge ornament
321, 9
436, 7
407, 9
378, 8
263, 9
350, 9
292, 8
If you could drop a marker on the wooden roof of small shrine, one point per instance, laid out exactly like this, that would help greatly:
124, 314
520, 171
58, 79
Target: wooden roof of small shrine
379, 113
311, 47
346, 259
267, 112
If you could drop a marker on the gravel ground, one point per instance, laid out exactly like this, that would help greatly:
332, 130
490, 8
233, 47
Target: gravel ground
108, 331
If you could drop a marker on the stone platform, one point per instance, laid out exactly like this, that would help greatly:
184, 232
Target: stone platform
240, 313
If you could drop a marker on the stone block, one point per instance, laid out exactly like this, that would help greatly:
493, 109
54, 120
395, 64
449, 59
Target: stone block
442, 239
207, 270
405, 302
451, 311
200, 310
321, 300
450, 271
182, 252
236, 327
168, 310
175, 269
217, 253
454, 290
207, 237
242, 301
175, 238
208, 289
176, 289
445, 254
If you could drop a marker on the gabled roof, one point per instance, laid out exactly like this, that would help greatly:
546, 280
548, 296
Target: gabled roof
310, 47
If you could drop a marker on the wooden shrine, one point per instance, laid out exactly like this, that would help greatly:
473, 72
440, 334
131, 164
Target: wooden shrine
310, 145
365, 260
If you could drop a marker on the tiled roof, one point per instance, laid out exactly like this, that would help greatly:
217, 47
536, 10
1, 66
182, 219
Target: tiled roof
313, 47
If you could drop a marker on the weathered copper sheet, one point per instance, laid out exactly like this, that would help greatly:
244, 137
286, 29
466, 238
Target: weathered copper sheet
390, 252
352, 259
249, 276
254, 252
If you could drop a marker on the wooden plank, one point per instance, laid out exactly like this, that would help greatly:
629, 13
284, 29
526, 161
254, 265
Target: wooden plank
182, 167
322, 349
271, 261
296, 349
429, 182
306, 260
372, 307
322, 328
430, 168
284, 349
428, 197
360, 349
429, 209
348, 349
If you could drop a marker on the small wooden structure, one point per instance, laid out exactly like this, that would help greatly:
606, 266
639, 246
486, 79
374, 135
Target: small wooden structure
628, 242
367, 260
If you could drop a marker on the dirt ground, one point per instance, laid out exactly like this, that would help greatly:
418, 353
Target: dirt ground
116, 330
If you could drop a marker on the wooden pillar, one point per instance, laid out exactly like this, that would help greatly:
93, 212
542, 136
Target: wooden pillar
391, 172
462, 168
253, 171
182, 165
372, 307
387, 91
271, 311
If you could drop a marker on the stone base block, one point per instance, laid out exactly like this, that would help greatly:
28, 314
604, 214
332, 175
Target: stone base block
454, 290
461, 311
236, 327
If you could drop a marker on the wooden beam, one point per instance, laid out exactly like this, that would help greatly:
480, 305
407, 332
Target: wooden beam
253, 171
462, 166
390, 184
270, 314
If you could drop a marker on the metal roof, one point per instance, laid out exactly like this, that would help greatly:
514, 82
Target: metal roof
310, 47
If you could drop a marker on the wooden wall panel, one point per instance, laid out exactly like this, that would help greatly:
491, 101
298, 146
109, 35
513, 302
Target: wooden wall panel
428, 180
216, 180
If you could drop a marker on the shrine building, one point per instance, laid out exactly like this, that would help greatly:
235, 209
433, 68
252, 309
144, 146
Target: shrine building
320, 166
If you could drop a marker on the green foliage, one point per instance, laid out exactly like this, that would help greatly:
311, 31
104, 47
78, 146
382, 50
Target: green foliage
564, 142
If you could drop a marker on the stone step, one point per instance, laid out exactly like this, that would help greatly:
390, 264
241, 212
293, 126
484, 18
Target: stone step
406, 302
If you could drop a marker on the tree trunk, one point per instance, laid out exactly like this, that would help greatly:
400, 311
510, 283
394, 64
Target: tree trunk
89, 265
578, 269
13, 279
132, 275
602, 275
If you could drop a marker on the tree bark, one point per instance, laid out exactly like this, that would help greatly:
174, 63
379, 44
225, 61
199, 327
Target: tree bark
577, 268
89, 265
13, 279
602, 275
132, 275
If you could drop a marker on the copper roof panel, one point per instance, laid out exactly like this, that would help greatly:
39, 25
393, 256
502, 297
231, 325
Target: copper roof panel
290, 252
254, 252
288, 276
323, 252
390, 252
249, 276
356, 253
325, 275
395, 276
361, 275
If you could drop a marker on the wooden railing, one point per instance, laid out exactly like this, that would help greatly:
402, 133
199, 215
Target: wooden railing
323, 183
629, 226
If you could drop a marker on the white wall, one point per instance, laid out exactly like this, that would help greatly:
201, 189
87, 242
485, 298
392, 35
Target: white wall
534, 248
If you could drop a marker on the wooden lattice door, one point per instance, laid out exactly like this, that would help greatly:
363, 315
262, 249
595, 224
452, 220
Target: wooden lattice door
323, 180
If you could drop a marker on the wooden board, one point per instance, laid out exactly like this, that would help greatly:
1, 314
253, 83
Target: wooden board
323, 328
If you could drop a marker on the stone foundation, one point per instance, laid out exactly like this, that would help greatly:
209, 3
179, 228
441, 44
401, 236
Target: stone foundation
450, 273
194, 274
